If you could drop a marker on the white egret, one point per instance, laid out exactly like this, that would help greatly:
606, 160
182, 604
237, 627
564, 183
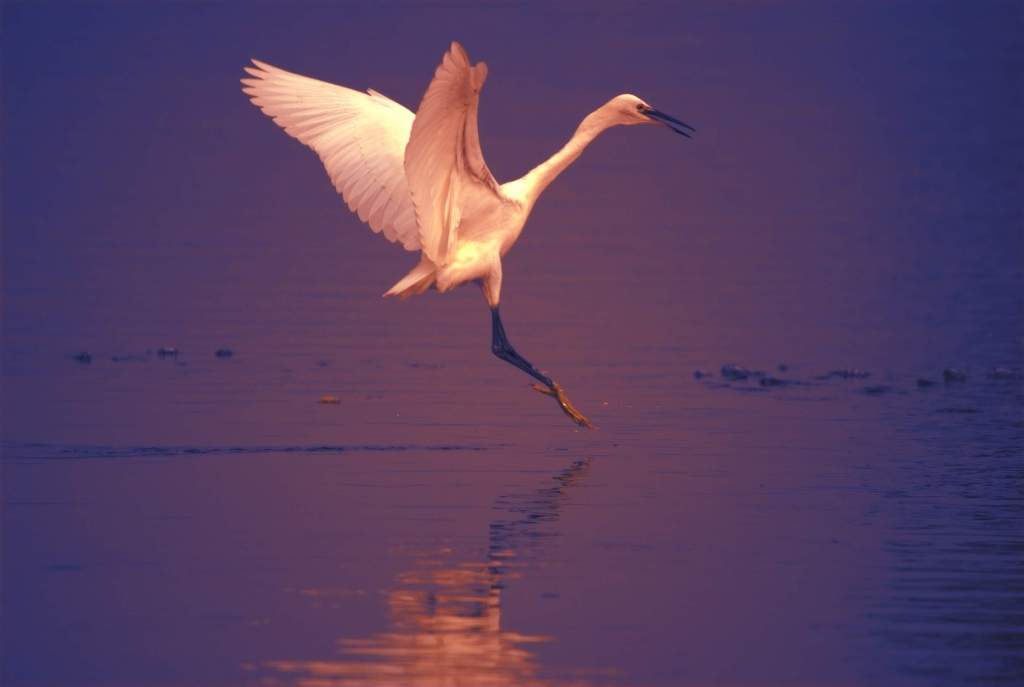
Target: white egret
421, 180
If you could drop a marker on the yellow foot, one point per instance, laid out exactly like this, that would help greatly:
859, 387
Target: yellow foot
564, 403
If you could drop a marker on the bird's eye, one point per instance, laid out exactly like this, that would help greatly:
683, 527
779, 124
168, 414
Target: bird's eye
640, 107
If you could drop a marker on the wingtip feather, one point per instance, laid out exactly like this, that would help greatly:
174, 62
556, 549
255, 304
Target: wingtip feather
479, 75
459, 53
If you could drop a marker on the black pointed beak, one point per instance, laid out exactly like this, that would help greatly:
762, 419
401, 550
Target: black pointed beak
671, 122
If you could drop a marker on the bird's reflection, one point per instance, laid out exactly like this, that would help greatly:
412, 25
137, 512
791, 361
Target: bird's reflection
446, 616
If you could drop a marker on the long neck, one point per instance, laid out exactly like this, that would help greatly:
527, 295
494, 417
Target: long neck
538, 178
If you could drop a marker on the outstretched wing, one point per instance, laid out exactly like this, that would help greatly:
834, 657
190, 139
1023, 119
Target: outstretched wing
444, 165
360, 138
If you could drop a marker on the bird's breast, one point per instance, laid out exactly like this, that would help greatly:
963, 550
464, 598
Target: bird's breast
497, 224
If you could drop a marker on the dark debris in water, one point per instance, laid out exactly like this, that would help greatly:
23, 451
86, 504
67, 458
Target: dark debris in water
84, 357
734, 372
168, 352
223, 353
130, 358
845, 374
1004, 373
952, 374
776, 381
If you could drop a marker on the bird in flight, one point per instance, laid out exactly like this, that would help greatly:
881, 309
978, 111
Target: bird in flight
421, 180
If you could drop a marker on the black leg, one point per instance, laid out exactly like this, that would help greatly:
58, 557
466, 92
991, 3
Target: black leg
501, 347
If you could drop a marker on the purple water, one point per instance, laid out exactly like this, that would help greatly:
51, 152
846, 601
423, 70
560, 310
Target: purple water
852, 202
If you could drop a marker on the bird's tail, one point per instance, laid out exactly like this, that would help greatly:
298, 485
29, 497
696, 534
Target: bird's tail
416, 282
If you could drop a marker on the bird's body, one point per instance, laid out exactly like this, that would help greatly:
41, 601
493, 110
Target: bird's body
421, 180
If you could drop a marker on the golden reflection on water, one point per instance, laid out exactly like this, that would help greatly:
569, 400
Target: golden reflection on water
446, 617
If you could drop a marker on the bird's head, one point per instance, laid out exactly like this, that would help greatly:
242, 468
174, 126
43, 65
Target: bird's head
628, 109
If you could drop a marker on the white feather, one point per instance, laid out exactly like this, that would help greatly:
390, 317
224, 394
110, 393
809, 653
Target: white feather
444, 165
359, 137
